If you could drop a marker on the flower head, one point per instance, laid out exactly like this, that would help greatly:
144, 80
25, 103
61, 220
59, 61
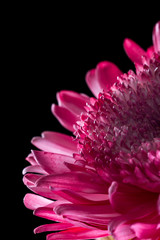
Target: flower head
106, 179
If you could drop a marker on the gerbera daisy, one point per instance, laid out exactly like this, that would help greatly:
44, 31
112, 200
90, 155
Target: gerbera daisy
104, 180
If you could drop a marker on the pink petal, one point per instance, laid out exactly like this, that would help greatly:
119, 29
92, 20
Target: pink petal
72, 101
33, 201
123, 232
75, 197
145, 231
52, 162
47, 213
124, 198
66, 118
89, 221
94, 211
156, 37
150, 51
35, 168
103, 77
76, 181
138, 212
134, 51
78, 233
52, 227
31, 159
30, 179
107, 73
55, 143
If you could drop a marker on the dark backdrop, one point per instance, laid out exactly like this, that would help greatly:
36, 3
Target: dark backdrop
58, 46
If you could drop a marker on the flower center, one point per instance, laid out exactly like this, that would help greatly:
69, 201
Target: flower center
123, 118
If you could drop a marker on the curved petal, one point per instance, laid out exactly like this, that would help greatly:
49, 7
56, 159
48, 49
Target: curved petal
123, 232
156, 37
48, 213
56, 143
141, 211
52, 162
35, 169
66, 118
134, 51
78, 233
76, 181
95, 211
145, 231
72, 101
52, 227
103, 77
33, 201
124, 198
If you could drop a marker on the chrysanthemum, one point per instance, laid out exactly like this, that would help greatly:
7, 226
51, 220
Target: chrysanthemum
104, 179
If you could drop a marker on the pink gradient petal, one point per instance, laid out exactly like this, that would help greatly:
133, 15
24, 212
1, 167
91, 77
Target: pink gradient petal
124, 198
145, 231
150, 52
52, 227
103, 77
74, 197
31, 159
30, 179
78, 233
76, 181
56, 143
47, 213
123, 232
35, 168
33, 201
141, 211
66, 118
107, 73
89, 221
156, 37
134, 51
52, 162
72, 101
94, 211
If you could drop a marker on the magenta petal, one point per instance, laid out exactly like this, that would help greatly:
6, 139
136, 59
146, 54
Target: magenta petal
156, 37
123, 232
78, 233
107, 73
134, 51
92, 82
124, 198
136, 213
56, 143
48, 213
65, 117
94, 211
145, 231
52, 227
33, 201
52, 162
74, 197
76, 181
103, 77
35, 168
72, 101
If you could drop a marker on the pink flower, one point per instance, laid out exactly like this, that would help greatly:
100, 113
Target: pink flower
106, 179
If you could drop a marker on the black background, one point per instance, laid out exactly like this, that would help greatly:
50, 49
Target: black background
57, 46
